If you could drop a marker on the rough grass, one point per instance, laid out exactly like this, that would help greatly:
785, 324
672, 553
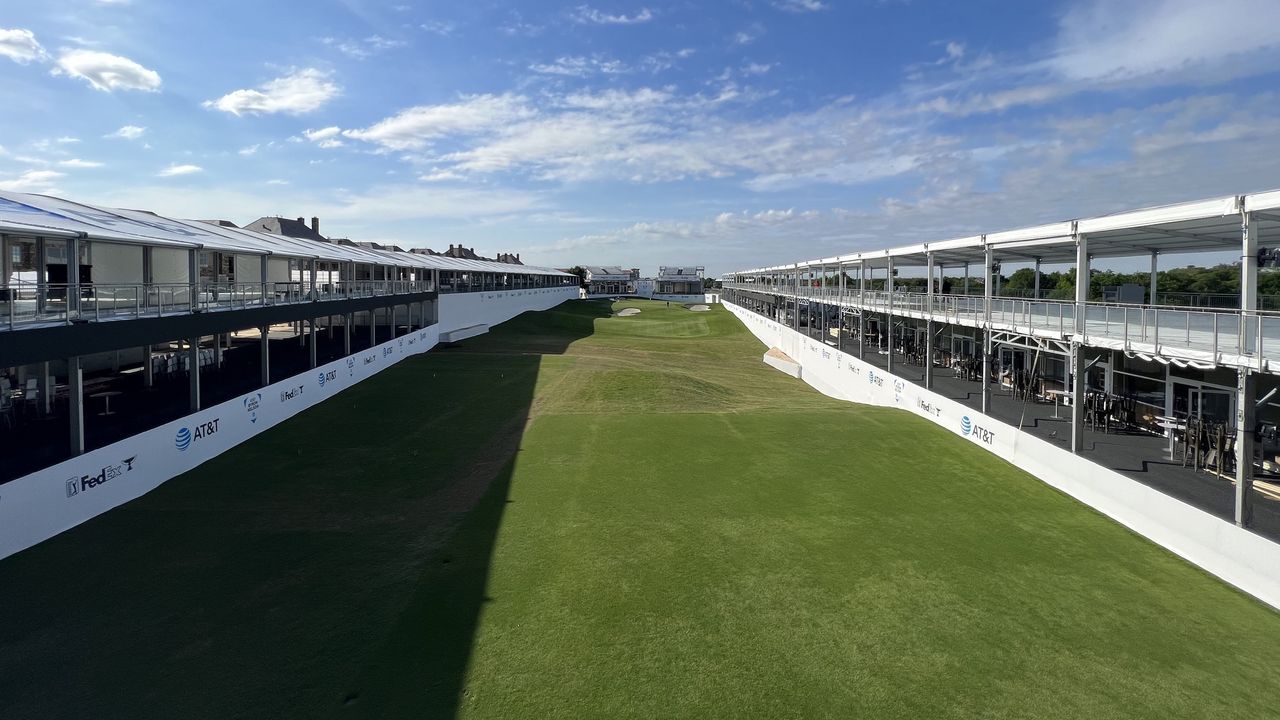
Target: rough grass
586, 516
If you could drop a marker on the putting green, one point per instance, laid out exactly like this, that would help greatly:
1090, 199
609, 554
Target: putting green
580, 515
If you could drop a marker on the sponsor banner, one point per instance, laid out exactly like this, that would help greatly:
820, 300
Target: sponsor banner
1234, 554
40, 505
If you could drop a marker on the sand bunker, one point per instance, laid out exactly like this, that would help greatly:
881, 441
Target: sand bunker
624, 312
699, 308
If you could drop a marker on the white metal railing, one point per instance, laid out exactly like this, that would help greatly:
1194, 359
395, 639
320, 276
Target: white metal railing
30, 303
1254, 334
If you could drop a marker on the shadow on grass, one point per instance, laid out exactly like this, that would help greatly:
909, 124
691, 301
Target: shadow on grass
293, 577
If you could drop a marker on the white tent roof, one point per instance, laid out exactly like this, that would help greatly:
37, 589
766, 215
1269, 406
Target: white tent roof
46, 216
1199, 226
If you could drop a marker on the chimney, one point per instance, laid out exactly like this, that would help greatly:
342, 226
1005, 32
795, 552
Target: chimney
315, 224
302, 221
517, 257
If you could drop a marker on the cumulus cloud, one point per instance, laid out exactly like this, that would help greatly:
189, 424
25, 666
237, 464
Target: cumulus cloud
107, 72
301, 91
363, 49
800, 6
1101, 40
32, 181
127, 132
78, 163
325, 137
417, 127
580, 66
176, 170
586, 15
21, 46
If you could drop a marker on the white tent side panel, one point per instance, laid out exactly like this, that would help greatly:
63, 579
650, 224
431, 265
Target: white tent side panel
248, 268
115, 264
278, 270
169, 266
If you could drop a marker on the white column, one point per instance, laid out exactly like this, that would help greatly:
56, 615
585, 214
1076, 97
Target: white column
862, 305
888, 288
264, 354
1077, 344
1154, 255
311, 350
1246, 384
840, 310
75, 386
1035, 293
928, 326
986, 326
193, 373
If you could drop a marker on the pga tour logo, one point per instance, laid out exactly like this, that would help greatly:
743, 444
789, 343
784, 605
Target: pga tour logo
106, 473
186, 436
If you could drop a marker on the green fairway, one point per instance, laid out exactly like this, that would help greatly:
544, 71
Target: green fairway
581, 515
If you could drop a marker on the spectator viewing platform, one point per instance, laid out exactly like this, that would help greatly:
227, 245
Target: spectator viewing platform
1199, 370
135, 264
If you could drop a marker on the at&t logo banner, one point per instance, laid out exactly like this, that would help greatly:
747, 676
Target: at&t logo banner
186, 436
975, 431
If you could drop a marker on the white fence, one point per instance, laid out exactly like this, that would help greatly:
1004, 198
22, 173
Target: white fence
1241, 558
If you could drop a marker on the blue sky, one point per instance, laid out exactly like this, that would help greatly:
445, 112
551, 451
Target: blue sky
726, 134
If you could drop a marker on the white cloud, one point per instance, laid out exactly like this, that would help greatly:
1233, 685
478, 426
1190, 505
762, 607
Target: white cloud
107, 72
128, 132
579, 66
800, 6
439, 27
67, 140
417, 127
585, 14
277, 181
78, 163
322, 134
757, 68
32, 181
1100, 40
175, 170
363, 49
249, 150
21, 46
299, 92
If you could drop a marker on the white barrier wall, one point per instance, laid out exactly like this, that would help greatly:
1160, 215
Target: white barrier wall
1241, 558
38, 506
459, 310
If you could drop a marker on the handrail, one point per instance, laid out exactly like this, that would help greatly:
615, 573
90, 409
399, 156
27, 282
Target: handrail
24, 302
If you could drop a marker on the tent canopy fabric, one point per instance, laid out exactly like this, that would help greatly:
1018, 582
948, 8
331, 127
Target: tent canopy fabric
1212, 225
47, 216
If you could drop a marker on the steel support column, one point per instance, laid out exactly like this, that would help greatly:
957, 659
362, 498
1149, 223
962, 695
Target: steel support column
347, 321
862, 305
928, 325
1246, 409
193, 373
1154, 255
75, 388
986, 324
311, 346
840, 310
264, 354
888, 288
1077, 355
